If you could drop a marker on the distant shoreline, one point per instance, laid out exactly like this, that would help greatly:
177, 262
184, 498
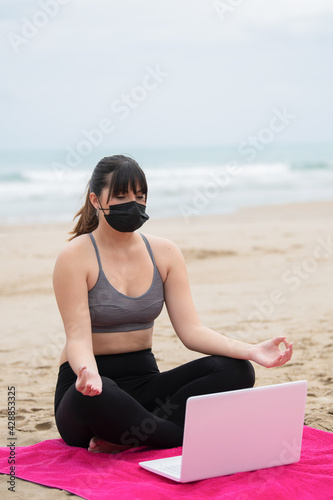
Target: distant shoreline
187, 220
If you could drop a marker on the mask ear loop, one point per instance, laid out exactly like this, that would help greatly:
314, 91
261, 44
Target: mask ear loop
100, 208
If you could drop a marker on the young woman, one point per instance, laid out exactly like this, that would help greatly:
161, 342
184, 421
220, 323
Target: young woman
110, 283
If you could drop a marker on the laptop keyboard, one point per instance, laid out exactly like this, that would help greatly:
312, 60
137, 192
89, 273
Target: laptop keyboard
171, 468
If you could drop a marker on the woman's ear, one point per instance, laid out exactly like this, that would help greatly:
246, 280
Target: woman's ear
94, 200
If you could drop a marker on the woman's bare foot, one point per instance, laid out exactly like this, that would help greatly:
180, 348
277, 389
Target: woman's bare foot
98, 445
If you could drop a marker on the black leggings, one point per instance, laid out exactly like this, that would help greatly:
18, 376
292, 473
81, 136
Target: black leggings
138, 404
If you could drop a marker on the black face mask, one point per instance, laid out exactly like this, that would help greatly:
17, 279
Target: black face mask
126, 217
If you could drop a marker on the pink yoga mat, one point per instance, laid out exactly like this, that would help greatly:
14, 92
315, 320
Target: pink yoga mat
104, 477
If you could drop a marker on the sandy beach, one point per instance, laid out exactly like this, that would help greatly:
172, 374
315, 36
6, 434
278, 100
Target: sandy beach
254, 274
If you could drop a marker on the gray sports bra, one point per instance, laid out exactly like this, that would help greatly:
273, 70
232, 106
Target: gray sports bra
112, 311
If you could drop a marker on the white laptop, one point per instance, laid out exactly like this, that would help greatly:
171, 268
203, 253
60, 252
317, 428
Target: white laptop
238, 431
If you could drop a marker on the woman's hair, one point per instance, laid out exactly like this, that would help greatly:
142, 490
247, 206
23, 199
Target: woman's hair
118, 173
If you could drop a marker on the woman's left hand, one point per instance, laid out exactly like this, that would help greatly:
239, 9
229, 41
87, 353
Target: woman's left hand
269, 354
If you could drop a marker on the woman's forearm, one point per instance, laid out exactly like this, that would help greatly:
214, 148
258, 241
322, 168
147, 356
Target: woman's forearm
267, 353
207, 341
80, 354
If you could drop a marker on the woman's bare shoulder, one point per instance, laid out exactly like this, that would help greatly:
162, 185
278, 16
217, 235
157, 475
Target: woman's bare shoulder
75, 251
161, 244
165, 251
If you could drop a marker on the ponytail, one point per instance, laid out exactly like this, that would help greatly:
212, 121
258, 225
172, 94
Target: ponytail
88, 220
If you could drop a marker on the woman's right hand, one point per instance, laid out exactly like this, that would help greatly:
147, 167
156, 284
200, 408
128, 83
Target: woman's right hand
89, 383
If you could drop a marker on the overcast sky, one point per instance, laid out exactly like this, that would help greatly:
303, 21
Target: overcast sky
163, 72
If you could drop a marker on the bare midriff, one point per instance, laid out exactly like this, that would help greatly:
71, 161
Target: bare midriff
118, 342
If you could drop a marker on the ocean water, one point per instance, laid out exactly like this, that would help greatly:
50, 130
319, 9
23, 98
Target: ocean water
49, 185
